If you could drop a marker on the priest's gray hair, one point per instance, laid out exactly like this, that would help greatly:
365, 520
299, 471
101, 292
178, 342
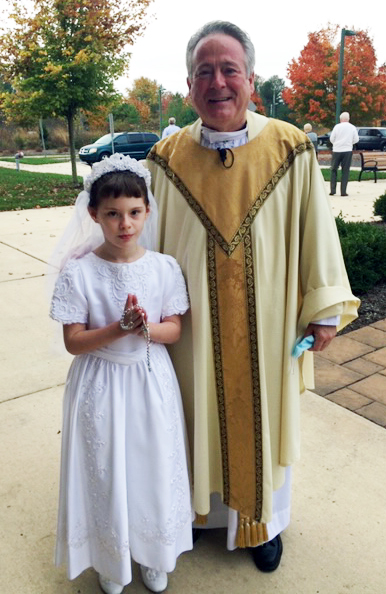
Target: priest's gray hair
222, 28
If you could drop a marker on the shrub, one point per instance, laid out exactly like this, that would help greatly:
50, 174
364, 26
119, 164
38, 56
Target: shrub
380, 207
58, 137
364, 253
88, 136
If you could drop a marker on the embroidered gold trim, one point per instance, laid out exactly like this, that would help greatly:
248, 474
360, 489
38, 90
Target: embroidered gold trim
216, 334
255, 375
229, 248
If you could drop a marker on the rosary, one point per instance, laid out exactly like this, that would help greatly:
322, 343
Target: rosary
130, 326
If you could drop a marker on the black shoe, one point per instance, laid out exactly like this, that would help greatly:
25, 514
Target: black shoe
344, 194
332, 193
268, 555
196, 532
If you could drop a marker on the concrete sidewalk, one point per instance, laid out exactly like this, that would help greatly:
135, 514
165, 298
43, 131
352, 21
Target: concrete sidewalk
336, 542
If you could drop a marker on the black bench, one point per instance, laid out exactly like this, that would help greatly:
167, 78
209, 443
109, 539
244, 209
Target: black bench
372, 161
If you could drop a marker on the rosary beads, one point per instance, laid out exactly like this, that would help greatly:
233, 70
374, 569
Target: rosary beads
130, 326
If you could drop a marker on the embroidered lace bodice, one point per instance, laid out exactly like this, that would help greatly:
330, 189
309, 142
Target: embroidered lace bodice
93, 291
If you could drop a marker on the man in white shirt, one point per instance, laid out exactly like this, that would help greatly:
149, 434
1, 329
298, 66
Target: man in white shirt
343, 137
171, 128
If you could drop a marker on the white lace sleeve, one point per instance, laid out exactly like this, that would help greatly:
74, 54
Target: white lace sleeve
176, 299
69, 304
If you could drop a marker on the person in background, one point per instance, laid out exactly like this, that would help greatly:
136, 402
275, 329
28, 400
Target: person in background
343, 137
312, 136
243, 209
171, 128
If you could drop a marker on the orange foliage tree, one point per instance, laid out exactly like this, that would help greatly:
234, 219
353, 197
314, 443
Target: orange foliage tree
257, 100
142, 108
314, 80
146, 91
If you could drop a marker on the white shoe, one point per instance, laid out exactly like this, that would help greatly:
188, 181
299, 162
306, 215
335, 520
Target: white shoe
156, 581
109, 587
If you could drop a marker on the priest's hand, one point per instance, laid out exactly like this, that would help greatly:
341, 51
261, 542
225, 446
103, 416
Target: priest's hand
323, 335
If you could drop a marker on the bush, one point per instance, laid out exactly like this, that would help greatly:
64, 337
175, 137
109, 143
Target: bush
380, 207
364, 253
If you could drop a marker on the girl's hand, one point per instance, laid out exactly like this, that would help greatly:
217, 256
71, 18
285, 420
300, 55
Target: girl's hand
135, 315
143, 315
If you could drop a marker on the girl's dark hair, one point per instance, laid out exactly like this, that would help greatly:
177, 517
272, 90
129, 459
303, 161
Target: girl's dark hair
116, 184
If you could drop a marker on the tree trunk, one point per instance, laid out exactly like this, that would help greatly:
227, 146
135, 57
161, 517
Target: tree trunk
71, 136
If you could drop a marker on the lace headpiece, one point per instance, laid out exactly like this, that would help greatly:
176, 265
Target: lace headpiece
117, 162
82, 234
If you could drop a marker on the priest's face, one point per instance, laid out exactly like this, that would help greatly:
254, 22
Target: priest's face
219, 85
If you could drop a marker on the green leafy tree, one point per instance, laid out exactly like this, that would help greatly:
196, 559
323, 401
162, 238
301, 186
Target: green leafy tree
270, 92
179, 107
5, 87
64, 56
127, 113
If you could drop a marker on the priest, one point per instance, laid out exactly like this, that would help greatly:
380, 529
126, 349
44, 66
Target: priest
243, 209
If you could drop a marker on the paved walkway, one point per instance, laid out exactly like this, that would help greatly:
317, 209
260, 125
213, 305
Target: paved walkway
336, 542
352, 372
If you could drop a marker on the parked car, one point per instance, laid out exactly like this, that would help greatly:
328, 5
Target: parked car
134, 144
371, 139
324, 139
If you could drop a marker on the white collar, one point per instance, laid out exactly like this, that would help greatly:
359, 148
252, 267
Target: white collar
214, 136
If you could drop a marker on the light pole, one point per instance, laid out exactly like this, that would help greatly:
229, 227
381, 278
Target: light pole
160, 110
345, 32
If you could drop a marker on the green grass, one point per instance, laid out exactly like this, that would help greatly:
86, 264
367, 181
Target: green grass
36, 160
354, 175
22, 189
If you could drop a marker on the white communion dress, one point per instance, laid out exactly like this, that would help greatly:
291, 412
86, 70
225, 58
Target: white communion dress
124, 485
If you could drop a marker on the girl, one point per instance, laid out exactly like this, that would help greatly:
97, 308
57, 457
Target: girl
124, 488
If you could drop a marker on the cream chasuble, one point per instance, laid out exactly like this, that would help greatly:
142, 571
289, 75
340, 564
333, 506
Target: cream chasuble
244, 237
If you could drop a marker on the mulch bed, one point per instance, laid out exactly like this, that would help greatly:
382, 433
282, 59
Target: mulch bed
372, 309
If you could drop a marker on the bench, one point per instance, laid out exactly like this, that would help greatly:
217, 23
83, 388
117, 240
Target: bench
372, 161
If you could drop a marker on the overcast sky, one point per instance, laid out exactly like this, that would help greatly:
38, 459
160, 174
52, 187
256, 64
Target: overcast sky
278, 30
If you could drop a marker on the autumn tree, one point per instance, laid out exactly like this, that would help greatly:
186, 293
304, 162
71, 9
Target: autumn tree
64, 55
143, 97
314, 80
146, 91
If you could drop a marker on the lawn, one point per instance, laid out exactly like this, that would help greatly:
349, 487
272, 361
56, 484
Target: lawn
354, 174
23, 189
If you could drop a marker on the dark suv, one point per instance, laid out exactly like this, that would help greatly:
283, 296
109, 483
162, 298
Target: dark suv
134, 144
371, 139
